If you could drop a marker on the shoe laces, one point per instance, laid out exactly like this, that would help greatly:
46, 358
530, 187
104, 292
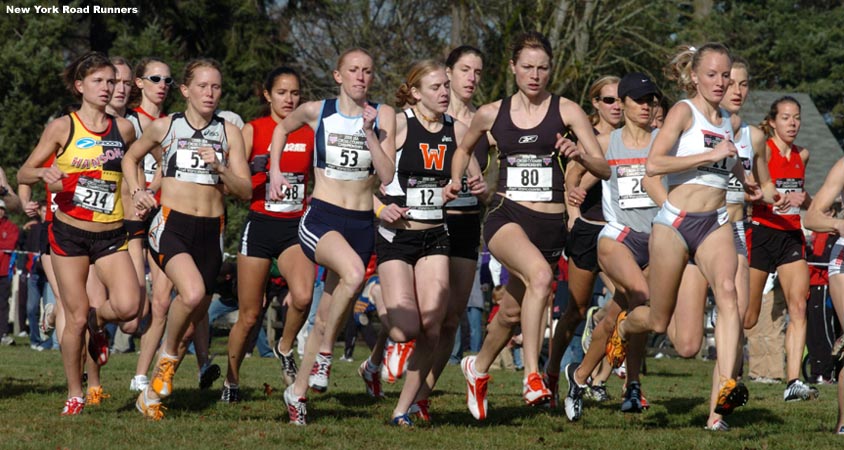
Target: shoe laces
534, 382
288, 363
481, 386
321, 367
166, 369
73, 406
726, 389
96, 395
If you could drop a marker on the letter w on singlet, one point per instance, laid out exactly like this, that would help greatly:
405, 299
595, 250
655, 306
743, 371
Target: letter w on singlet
433, 158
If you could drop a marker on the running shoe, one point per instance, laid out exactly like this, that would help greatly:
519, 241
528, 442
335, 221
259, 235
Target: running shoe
386, 374
288, 365
296, 407
718, 425
401, 421
586, 339
840, 430
151, 409
48, 319
732, 395
318, 380
616, 346
397, 359
598, 393
552, 382
621, 372
208, 374
73, 406
95, 395
574, 396
476, 387
98, 340
162, 378
632, 402
230, 394
420, 410
372, 379
797, 390
534, 391
138, 383
838, 348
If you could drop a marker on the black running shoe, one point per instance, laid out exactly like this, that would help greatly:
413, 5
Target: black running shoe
632, 398
574, 396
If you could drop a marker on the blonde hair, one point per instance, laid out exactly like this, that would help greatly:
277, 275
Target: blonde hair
418, 70
195, 64
687, 60
342, 58
595, 92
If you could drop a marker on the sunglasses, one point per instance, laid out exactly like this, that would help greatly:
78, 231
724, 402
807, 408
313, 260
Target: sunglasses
608, 100
158, 78
650, 100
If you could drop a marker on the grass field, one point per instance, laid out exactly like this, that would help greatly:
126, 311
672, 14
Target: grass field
32, 391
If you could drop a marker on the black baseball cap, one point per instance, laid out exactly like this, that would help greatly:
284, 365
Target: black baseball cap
637, 85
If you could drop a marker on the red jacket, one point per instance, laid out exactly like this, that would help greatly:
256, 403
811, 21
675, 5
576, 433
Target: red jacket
9, 233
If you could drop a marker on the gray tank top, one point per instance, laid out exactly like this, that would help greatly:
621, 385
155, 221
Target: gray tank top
624, 199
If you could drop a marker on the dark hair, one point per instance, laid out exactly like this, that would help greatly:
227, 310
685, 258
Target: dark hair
141, 71
197, 63
772, 113
414, 80
458, 53
83, 66
531, 39
278, 72
349, 51
595, 92
687, 60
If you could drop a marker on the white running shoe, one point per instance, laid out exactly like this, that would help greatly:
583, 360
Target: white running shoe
296, 407
476, 388
321, 371
138, 383
799, 391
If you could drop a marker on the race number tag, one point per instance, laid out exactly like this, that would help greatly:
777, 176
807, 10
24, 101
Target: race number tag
786, 186
529, 178
735, 190
465, 198
150, 166
189, 165
425, 198
95, 195
292, 198
347, 157
631, 193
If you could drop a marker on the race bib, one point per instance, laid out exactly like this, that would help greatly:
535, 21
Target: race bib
735, 190
347, 157
465, 198
631, 193
189, 165
95, 195
150, 166
786, 186
529, 178
425, 198
292, 197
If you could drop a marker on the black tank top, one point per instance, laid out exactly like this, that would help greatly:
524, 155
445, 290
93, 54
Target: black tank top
592, 206
465, 201
531, 169
423, 168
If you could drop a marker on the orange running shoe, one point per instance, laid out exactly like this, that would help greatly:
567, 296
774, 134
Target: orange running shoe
95, 395
616, 346
731, 396
162, 378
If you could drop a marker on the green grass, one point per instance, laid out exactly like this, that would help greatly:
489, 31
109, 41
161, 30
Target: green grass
32, 391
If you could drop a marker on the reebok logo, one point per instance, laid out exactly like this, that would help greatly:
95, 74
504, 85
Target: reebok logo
530, 139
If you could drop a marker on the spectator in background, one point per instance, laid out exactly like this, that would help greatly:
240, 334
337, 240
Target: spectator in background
9, 233
766, 340
33, 242
823, 327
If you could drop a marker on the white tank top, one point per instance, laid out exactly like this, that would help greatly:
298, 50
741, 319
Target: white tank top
702, 137
735, 190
